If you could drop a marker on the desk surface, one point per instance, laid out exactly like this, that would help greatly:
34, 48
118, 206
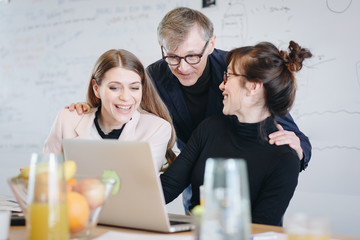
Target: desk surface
19, 232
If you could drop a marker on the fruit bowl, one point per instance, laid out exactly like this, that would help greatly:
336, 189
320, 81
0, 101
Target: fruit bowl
85, 199
85, 195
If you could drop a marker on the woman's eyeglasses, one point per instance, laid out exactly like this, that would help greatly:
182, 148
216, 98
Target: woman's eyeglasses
227, 76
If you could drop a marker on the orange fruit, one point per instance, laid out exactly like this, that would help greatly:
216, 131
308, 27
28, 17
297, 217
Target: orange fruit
71, 184
78, 211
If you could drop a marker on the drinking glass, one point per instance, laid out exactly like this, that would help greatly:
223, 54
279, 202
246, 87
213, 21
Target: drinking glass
4, 224
47, 209
227, 204
301, 226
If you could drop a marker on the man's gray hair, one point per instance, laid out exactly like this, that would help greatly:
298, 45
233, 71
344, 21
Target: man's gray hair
176, 24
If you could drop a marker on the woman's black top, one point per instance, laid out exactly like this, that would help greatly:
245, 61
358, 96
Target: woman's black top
272, 170
114, 134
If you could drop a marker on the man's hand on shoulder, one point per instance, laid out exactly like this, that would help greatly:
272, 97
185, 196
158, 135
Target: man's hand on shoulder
80, 107
283, 137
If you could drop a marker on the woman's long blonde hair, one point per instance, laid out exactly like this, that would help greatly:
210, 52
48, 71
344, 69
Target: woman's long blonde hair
151, 101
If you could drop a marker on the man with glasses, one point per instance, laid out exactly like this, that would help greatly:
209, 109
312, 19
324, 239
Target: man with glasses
188, 78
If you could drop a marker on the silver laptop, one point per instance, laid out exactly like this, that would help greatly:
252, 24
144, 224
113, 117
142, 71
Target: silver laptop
140, 202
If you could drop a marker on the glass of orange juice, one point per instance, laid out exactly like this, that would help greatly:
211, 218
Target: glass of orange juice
304, 227
47, 209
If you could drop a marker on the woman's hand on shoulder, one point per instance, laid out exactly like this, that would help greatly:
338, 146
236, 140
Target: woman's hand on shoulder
283, 137
80, 107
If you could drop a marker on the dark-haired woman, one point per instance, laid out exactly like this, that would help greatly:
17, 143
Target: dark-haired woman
258, 85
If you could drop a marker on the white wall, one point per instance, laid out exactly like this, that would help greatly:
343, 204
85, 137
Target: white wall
48, 47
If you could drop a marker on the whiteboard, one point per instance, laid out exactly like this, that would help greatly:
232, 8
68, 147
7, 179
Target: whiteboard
48, 48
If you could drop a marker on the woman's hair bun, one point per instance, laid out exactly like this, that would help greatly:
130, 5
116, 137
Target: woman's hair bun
295, 57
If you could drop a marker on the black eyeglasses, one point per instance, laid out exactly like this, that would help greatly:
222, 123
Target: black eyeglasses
191, 59
227, 76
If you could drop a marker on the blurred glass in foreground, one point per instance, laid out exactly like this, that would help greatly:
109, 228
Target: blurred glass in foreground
227, 204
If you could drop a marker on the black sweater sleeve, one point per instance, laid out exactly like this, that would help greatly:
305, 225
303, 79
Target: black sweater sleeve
178, 176
288, 124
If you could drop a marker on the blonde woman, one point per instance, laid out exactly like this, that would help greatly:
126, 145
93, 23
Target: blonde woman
124, 105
